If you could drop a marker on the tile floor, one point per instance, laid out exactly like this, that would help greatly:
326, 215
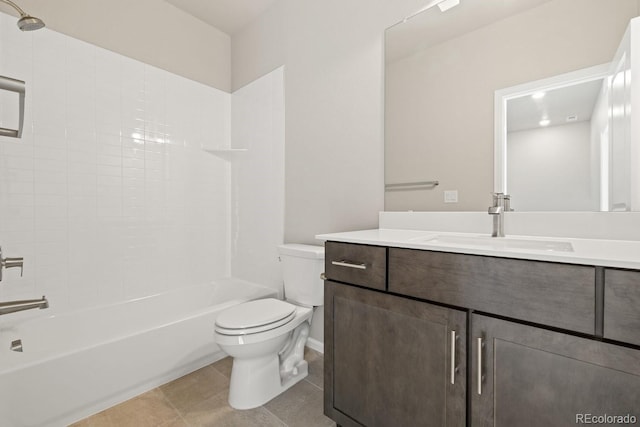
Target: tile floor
200, 399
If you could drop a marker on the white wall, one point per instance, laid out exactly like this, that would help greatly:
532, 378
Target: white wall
562, 155
152, 31
333, 52
108, 195
257, 180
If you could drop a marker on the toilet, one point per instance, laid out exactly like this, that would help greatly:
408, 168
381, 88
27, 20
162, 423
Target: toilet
266, 337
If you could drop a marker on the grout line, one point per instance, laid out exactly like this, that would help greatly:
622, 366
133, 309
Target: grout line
275, 416
315, 385
178, 412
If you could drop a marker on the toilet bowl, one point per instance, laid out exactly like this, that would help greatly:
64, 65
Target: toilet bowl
266, 337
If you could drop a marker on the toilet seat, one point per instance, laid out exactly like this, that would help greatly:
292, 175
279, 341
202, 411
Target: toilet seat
254, 317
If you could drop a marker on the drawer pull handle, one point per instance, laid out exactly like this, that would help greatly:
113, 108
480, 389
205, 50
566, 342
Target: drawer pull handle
480, 376
453, 357
345, 263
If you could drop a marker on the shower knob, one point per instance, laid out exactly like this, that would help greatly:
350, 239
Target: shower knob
11, 263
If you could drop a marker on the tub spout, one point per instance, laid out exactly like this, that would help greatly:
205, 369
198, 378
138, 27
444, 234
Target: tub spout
29, 304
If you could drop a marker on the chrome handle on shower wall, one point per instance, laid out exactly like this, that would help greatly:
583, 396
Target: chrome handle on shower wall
18, 86
11, 263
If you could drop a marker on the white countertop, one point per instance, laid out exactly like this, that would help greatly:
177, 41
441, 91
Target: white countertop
599, 252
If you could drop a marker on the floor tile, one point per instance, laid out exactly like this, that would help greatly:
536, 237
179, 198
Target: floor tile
216, 411
300, 406
316, 367
199, 399
195, 388
224, 366
178, 422
150, 409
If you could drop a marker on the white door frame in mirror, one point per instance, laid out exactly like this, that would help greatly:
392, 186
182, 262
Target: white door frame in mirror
500, 111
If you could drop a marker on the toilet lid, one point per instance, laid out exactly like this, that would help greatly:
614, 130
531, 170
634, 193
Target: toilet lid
269, 312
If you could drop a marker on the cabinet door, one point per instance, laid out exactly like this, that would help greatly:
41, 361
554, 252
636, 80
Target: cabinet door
392, 361
527, 376
621, 302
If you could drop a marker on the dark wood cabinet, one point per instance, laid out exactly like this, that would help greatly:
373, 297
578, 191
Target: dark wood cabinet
360, 265
527, 376
392, 361
559, 295
536, 343
622, 306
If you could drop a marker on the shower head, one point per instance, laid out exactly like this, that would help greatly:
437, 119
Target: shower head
30, 23
26, 22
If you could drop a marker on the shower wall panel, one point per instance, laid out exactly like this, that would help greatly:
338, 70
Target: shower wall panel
109, 195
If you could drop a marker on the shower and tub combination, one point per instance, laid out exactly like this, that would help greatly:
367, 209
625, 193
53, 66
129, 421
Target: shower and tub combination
60, 368
135, 307
66, 367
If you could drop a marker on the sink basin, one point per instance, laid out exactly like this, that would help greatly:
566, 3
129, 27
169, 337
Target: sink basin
498, 243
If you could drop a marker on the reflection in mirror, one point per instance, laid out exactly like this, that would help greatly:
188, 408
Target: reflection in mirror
567, 143
442, 70
552, 153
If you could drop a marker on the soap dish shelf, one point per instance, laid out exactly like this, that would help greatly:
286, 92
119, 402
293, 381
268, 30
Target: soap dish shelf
225, 150
226, 153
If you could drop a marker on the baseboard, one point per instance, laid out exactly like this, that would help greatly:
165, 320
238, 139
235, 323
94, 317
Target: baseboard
315, 345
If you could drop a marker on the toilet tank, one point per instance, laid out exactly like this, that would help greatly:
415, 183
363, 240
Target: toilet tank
301, 268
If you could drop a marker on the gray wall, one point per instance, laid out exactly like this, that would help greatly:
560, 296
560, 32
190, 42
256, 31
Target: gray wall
333, 56
150, 31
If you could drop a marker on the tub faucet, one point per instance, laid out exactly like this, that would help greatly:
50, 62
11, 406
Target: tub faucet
28, 304
501, 204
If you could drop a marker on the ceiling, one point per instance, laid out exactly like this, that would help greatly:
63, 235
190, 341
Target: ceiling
228, 16
431, 26
573, 103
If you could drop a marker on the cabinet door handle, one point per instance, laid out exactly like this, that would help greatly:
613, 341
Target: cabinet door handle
453, 357
345, 263
480, 345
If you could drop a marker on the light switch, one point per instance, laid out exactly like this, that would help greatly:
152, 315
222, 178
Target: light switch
451, 196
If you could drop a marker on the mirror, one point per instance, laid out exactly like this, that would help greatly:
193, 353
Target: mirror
442, 74
559, 129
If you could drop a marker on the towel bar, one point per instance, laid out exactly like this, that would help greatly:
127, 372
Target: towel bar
411, 186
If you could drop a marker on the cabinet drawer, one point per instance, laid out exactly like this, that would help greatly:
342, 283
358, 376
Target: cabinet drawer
357, 264
559, 295
622, 305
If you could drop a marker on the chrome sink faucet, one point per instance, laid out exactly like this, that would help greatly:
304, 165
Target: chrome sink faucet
501, 204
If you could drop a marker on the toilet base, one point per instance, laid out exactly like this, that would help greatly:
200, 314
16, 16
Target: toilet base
255, 381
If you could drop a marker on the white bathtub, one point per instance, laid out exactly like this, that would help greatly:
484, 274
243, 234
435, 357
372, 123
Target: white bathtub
76, 364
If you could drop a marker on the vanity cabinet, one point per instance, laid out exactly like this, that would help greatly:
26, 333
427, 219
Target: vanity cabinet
559, 295
450, 339
622, 306
529, 376
360, 265
392, 361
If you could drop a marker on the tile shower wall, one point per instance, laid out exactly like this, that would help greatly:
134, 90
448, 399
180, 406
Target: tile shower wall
108, 195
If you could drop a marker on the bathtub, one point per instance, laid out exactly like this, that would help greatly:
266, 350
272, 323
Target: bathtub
79, 363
